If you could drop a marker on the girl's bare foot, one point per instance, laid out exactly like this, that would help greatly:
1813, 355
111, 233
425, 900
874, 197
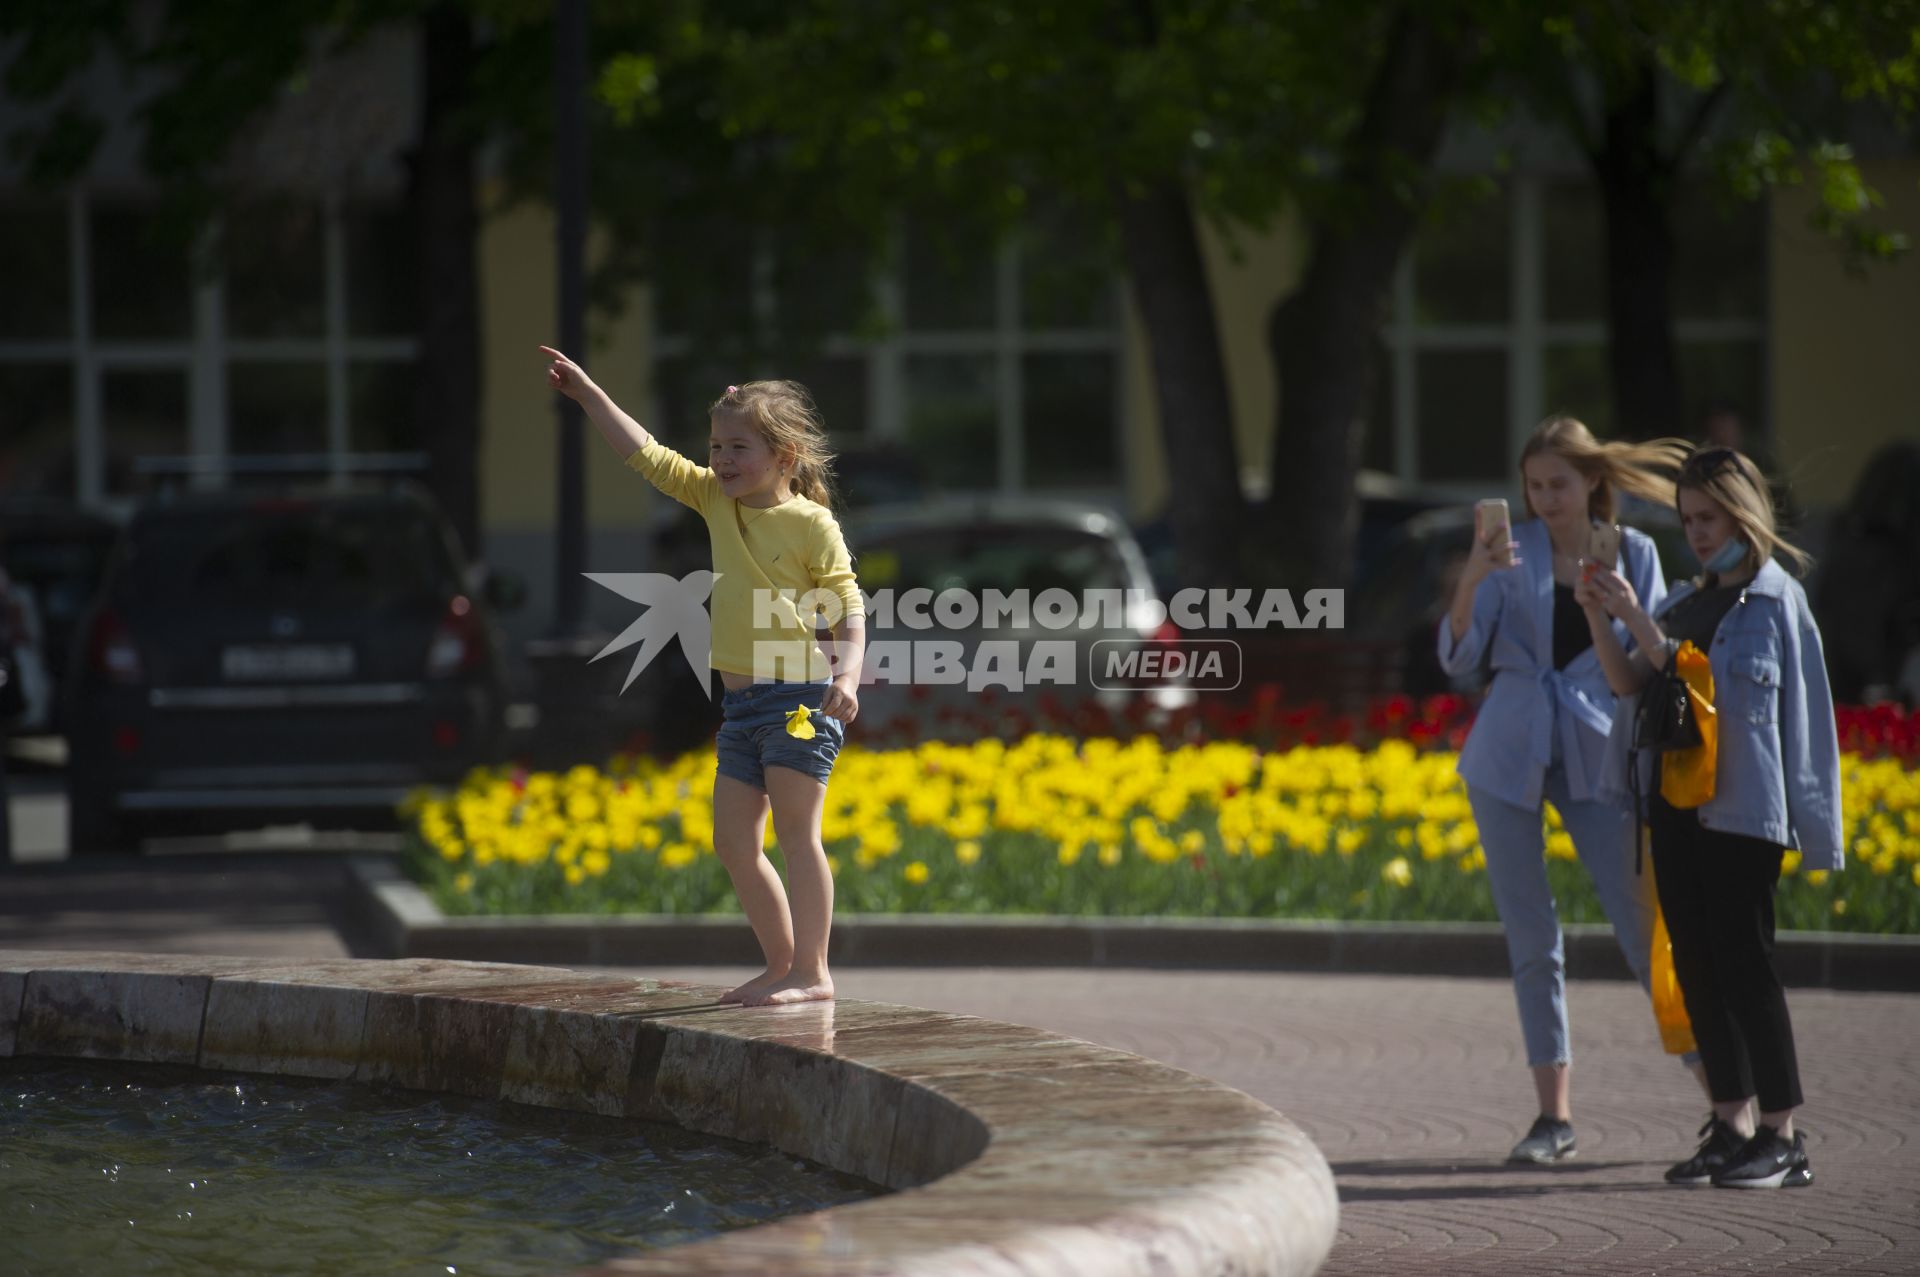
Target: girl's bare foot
744, 994
796, 987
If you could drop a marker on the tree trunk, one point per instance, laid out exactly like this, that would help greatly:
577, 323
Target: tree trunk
446, 237
1636, 189
1324, 338
1204, 504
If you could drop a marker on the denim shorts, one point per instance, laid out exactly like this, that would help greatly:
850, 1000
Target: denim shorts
754, 736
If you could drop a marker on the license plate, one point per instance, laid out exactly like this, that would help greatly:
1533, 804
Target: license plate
292, 660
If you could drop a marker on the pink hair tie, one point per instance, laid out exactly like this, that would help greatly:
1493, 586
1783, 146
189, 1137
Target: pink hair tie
733, 390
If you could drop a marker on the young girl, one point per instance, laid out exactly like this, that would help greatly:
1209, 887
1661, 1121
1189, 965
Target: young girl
1776, 774
1543, 730
764, 497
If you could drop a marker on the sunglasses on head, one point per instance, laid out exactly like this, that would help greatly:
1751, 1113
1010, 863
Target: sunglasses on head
1708, 462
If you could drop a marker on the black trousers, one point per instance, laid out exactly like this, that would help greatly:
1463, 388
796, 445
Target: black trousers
1716, 892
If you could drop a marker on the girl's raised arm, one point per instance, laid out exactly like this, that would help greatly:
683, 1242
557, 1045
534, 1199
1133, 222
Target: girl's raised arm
623, 433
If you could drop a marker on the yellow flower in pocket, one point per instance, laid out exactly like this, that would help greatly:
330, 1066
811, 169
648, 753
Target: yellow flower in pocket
797, 725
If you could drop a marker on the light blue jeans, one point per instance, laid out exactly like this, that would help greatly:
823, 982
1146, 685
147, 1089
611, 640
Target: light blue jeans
1515, 846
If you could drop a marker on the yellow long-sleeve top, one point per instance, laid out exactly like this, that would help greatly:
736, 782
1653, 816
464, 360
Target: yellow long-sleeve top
780, 553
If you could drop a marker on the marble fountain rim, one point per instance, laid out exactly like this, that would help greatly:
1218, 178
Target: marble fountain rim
1011, 1150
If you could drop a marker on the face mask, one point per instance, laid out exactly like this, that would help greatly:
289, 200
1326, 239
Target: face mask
1732, 552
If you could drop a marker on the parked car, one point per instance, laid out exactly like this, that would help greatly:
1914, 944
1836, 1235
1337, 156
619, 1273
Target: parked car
54, 554
1386, 503
1008, 544
300, 657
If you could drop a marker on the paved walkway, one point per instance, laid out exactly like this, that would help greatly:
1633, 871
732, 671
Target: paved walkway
1414, 1088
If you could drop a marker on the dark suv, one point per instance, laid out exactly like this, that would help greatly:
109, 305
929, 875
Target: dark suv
302, 657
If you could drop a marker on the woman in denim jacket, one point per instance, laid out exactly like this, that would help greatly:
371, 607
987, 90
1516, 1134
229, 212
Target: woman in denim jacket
1776, 785
1543, 729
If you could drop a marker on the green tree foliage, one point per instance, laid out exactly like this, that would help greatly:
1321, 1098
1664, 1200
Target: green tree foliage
1749, 94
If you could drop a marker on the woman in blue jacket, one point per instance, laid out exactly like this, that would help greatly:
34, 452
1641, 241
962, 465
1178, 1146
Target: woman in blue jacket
1543, 729
1776, 785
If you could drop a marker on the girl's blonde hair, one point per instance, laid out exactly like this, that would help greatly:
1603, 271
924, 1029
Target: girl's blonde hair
1644, 469
1735, 484
783, 413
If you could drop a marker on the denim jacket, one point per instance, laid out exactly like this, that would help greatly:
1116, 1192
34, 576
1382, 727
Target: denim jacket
1511, 744
1777, 775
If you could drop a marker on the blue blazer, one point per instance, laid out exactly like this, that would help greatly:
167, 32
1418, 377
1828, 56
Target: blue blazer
1511, 745
1777, 770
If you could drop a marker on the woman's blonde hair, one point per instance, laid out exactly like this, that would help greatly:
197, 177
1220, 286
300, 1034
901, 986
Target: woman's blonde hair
1644, 469
783, 413
1735, 484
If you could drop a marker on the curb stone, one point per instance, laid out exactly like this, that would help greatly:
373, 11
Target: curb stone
409, 925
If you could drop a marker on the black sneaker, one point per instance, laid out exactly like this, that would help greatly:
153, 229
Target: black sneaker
1720, 1145
1549, 1140
1767, 1161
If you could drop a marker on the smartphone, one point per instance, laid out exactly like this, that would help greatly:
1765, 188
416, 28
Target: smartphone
1603, 551
1490, 514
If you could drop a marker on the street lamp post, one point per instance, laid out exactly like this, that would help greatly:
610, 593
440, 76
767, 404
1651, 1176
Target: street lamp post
570, 201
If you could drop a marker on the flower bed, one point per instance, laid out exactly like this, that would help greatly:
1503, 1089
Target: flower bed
1095, 826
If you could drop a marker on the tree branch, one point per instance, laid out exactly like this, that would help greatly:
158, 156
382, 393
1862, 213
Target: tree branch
1561, 95
1697, 123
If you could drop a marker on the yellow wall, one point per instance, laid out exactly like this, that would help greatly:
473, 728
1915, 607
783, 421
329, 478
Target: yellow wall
1844, 349
520, 466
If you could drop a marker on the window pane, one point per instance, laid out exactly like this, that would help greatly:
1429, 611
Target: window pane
1377, 449
36, 429
367, 558
145, 415
839, 389
1578, 383
275, 409
1720, 257
1460, 266
275, 263
380, 407
33, 261
1576, 247
383, 275
1066, 274
949, 280
951, 419
142, 283
1069, 421
1462, 406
